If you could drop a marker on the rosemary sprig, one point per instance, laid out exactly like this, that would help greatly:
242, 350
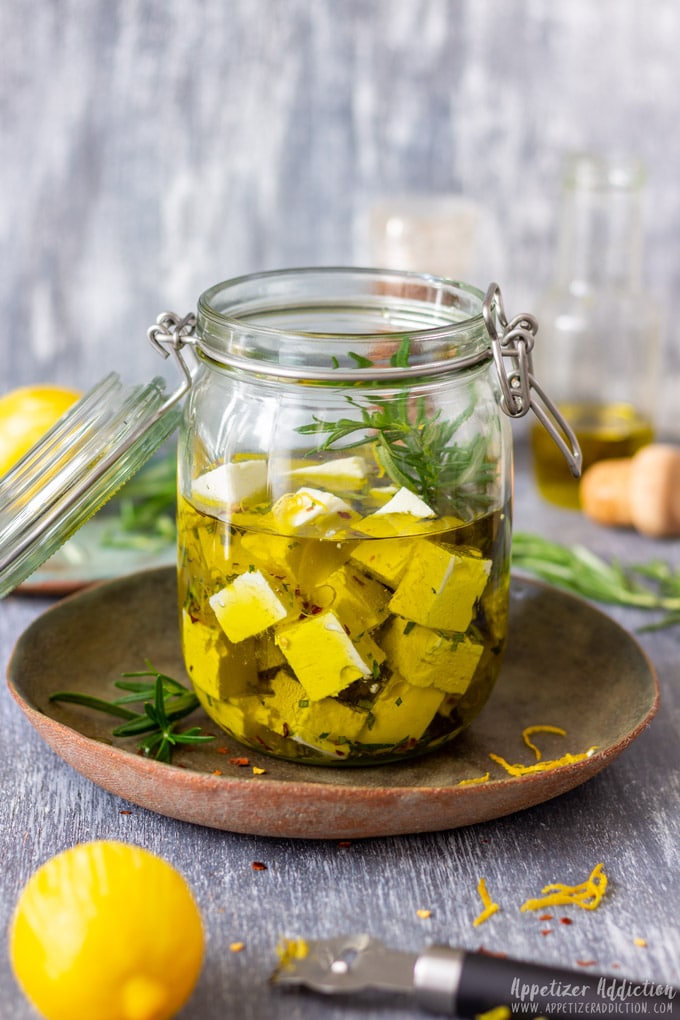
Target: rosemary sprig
164, 701
652, 586
415, 449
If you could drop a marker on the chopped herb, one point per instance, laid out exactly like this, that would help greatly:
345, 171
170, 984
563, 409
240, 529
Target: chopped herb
408, 627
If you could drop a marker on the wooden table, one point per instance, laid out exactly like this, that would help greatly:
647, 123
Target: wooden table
627, 817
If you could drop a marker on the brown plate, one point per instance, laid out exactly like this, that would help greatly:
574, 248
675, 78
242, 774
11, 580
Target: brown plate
567, 665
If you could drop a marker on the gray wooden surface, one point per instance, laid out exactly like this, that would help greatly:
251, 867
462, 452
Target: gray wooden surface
627, 817
150, 148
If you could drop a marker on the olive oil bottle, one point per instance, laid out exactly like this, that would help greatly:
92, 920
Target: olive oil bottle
598, 330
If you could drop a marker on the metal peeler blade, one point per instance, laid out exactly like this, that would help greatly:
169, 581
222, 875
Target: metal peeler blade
348, 963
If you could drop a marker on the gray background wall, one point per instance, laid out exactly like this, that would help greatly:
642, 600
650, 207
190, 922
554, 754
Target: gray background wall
150, 148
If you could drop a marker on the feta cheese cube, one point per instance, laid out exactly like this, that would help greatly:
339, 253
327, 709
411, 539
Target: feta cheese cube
228, 486
440, 586
341, 475
304, 562
406, 502
215, 665
322, 655
401, 713
385, 558
328, 512
358, 600
247, 606
428, 659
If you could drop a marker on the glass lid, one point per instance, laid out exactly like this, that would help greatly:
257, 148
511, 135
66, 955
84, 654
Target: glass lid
76, 467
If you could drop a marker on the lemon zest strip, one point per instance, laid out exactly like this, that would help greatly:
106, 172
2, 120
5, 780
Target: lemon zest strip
289, 950
497, 1013
541, 766
529, 731
587, 895
475, 780
490, 907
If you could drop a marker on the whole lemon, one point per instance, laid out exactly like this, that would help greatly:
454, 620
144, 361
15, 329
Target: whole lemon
25, 416
106, 931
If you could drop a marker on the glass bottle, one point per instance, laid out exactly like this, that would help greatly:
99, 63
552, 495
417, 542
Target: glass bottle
598, 334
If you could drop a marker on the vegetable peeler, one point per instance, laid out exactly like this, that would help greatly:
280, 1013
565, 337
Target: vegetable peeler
457, 982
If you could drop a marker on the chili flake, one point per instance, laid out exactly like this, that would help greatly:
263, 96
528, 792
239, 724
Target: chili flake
258, 866
423, 913
236, 947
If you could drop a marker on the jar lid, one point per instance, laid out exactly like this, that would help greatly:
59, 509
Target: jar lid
76, 467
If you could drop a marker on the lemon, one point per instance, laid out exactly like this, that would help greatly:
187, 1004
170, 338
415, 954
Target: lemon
106, 931
25, 416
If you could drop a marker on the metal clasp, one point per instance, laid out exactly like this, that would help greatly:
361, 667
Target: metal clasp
168, 335
520, 392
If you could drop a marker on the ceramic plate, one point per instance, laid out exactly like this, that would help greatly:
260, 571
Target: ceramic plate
567, 665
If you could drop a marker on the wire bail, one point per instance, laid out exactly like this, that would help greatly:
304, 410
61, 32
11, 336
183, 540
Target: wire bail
520, 392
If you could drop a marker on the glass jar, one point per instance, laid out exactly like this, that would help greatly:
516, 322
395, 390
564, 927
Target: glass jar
598, 348
344, 513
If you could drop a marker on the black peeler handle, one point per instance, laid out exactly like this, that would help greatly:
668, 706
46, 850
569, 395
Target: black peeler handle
463, 984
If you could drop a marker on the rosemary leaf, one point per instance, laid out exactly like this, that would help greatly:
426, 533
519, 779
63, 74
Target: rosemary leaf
652, 586
164, 702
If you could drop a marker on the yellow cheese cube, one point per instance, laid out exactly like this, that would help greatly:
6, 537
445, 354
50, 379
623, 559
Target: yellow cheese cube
327, 725
385, 558
401, 713
303, 562
440, 586
359, 601
248, 606
229, 714
214, 664
429, 659
322, 655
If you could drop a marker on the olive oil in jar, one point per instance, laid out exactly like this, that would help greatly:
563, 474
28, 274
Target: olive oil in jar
603, 432
346, 647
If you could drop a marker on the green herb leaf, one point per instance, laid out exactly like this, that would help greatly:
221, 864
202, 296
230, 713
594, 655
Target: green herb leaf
416, 449
164, 702
581, 571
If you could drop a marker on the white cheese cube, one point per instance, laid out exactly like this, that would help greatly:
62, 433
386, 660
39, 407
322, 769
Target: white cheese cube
406, 502
229, 486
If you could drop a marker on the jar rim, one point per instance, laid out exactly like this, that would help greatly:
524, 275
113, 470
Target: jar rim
281, 322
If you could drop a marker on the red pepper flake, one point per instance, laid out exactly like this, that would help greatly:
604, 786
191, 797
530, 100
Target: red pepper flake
490, 952
345, 514
566, 920
258, 866
586, 963
217, 772
545, 917
239, 761
344, 843
546, 931
125, 811
223, 750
